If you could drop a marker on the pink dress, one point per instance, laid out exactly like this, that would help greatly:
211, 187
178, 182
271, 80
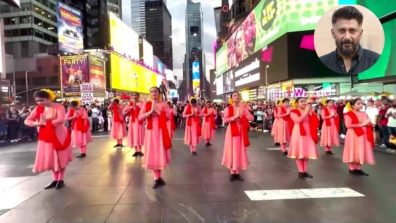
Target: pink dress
274, 131
47, 158
282, 130
329, 134
357, 149
208, 132
191, 136
156, 157
169, 123
235, 153
135, 134
80, 138
302, 147
118, 130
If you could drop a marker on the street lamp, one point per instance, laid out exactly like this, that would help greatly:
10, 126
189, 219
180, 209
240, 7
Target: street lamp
266, 74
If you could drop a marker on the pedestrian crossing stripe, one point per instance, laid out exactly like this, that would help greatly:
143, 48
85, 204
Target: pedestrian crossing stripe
261, 195
274, 149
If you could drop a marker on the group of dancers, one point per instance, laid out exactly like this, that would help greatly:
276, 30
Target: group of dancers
151, 129
297, 126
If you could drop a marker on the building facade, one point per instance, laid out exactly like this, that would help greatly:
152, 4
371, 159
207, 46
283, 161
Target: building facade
133, 14
159, 30
193, 45
30, 29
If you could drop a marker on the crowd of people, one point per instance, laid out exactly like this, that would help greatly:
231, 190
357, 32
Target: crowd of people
297, 126
380, 112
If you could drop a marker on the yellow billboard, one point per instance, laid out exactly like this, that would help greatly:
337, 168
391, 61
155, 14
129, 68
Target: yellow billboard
123, 39
127, 75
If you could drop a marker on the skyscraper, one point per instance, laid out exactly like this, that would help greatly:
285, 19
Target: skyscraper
133, 14
30, 29
159, 30
193, 45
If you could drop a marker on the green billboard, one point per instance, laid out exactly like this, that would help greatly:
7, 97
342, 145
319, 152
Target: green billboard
269, 20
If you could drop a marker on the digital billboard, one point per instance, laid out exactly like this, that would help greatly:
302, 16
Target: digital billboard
74, 71
70, 30
148, 56
269, 20
97, 75
221, 59
386, 64
196, 79
123, 39
248, 74
127, 75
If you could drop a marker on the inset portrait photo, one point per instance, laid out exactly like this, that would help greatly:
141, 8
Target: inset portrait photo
349, 39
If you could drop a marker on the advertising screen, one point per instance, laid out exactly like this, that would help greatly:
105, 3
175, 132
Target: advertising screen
97, 75
221, 59
196, 78
219, 85
74, 71
269, 20
148, 56
70, 30
386, 64
319, 90
123, 39
127, 75
229, 82
248, 72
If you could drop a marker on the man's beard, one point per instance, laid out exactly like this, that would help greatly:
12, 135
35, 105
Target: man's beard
347, 52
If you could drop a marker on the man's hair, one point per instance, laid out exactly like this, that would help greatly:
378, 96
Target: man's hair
348, 13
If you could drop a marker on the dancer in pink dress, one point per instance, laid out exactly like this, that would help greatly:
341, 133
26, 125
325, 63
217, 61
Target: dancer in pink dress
80, 134
118, 130
54, 148
236, 141
359, 139
157, 143
135, 134
329, 134
192, 133
171, 121
274, 130
208, 125
304, 136
284, 126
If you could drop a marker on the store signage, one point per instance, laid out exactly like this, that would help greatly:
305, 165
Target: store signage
74, 72
219, 85
248, 73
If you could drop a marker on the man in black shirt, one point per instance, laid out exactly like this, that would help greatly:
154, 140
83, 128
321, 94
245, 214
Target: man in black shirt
349, 57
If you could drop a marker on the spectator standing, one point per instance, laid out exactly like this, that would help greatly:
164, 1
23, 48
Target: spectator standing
372, 113
13, 119
383, 123
95, 118
391, 115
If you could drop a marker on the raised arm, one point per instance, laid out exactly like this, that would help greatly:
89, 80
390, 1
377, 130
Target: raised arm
126, 109
69, 116
324, 117
297, 119
227, 117
247, 114
185, 113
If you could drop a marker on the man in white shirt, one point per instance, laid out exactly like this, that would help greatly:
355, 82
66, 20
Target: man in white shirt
95, 118
391, 114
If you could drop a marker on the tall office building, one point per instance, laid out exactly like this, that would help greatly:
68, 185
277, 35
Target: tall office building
30, 29
133, 14
159, 30
193, 44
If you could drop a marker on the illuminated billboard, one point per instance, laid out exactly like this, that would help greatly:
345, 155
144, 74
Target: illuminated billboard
148, 56
70, 30
74, 71
97, 75
196, 80
127, 75
123, 39
269, 20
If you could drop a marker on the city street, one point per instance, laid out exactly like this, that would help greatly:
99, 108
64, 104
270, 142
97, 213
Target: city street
111, 186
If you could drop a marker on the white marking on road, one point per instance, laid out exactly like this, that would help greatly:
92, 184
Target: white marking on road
274, 149
100, 136
260, 195
178, 139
